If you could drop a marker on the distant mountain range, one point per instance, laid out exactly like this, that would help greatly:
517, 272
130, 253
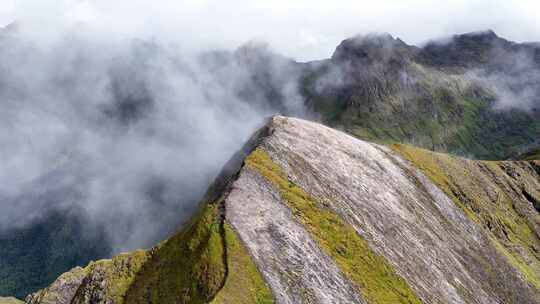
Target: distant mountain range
475, 95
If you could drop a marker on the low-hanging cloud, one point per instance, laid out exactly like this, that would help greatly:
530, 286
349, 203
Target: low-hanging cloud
515, 81
131, 134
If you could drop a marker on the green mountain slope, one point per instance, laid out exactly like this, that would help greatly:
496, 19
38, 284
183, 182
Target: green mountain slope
437, 97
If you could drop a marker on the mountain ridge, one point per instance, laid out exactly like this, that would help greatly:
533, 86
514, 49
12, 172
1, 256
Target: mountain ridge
306, 227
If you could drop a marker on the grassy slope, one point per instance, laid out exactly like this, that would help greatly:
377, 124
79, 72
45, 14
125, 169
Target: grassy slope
374, 276
187, 268
204, 260
202, 263
492, 195
244, 283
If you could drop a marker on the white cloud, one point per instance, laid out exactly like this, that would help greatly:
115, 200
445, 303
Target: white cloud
302, 29
7, 11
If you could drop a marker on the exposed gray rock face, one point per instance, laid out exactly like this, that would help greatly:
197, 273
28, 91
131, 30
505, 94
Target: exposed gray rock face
290, 260
443, 256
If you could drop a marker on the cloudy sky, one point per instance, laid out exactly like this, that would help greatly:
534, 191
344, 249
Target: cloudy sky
303, 29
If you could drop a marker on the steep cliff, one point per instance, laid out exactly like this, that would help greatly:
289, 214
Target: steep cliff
308, 214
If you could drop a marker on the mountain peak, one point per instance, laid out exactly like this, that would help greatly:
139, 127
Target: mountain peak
372, 48
483, 34
465, 50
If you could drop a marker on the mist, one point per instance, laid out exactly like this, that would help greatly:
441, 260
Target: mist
515, 82
131, 133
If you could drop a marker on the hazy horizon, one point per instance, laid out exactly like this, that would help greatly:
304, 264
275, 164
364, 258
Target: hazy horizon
303, 30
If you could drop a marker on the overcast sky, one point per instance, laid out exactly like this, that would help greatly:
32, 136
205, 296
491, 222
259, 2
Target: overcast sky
303, 29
